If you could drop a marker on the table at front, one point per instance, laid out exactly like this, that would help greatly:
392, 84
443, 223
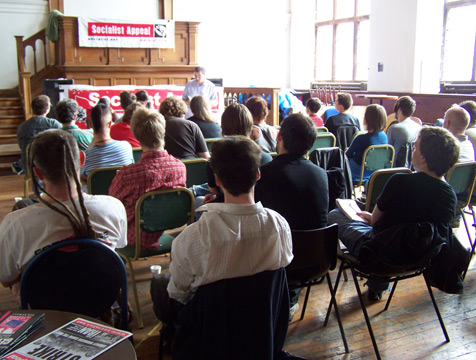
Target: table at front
380, 97
55, 319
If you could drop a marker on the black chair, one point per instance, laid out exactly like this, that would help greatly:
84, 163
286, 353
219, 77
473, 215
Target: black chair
83, 276
315, 253
239, 318
344, 135
383, 270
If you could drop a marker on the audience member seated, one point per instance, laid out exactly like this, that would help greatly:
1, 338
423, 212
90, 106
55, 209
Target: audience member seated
104, 151
66, 112
122, 130
235, 120
40, 106
470, 107
143, 97
232, 239
156, 170
126, 98
107, 101
292, 185
263, 134
199, 85
423, 196
183, 138
313, 105
343, 104
456, 121
375, 119
404, 133
202, 116
55, 161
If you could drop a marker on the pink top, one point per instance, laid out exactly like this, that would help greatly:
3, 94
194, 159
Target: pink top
317, 120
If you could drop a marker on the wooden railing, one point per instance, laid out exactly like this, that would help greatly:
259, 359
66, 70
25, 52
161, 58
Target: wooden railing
241, 94
39, 62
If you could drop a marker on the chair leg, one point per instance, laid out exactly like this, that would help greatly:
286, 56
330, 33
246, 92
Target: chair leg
329, 308
390, 296
339, 321
440, 319
366, 315
305, 302
136, 297
467, 231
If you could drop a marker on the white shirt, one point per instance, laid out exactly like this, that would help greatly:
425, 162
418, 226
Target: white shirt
26, 231
228, 241
193, 88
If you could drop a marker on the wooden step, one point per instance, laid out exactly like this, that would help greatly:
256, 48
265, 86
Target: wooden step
8, 139
8, 154
10, 101
11, 110
8, 129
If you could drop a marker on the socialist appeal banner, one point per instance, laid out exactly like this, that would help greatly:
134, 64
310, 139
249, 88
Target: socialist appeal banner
126, 34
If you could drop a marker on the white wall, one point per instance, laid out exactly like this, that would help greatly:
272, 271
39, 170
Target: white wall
113, 9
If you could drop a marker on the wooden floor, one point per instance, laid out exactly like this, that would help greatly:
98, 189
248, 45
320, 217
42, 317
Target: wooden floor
408, 330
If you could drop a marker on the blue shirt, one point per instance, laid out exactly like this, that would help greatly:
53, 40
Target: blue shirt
362, 142
113, 154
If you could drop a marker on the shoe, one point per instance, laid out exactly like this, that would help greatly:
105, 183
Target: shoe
292, 311
373, 295
286, 355
16, 168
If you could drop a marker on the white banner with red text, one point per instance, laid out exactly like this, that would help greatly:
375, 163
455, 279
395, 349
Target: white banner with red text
126, 34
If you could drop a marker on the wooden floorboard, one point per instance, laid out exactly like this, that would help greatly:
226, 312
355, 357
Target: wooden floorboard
409, 329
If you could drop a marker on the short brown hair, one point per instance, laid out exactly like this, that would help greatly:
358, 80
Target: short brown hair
148, 127
258, 108
470, 107
439, 147
98, 116
235, 160
345, 99
127, 98
40, 104
298, 133
173, 106
314, 105
406, 104
236, 120
375, 118
130, 110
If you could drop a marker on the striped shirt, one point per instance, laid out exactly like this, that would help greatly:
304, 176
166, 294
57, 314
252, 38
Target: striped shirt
113, 154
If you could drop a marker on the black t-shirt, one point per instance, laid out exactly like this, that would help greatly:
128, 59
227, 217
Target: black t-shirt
295, 188
183, 138
418, 197
209, 129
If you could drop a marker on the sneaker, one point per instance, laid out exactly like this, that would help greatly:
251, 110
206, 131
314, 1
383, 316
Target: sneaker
293, 310
16, 168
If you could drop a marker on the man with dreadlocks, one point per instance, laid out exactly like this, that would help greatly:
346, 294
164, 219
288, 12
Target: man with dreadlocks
63, 210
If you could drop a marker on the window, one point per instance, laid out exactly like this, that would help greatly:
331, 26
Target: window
342, 40
459, 48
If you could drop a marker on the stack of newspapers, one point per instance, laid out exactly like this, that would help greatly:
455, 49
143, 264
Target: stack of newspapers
16, 327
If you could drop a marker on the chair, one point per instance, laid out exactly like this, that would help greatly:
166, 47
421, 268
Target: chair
157, 210
83, 276
315, 253
403, 157
210, 142
196, 171
391, 120
377, 182
375, 157
100, 179
239, 318
345, 135
325, 139
462, 177
385, 271
321, 129
273, 154
136, 153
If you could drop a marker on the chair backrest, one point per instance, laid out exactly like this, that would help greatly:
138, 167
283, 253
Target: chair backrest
377, 182
136, 153
239, 318
209, 143
404, 155
100, 179
83, 276
344, 135
315, 253
196, 171
462, 177
321, 129
377, 157
390, 120
323, 140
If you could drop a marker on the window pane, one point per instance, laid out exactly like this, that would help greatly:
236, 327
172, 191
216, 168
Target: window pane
344, 51
324, 10
344, 8
459, 44
362, 70
363, 7
324, 53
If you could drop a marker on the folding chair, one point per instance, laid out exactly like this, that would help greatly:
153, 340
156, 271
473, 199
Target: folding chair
136, 153
323, 140
210, 142
196, 171
321, 129
100, 179
157, 210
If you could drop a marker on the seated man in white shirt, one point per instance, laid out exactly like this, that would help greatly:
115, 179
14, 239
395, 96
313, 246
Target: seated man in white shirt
456, 121
216, 247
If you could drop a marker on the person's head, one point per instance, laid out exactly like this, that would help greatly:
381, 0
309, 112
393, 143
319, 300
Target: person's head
456, 120
148, 127
81, 115
470, 107
101, 117
173, 106
343, 100
130, 110
258, 108
105, 100
235, 162
406, 105
54, 158
127, 98
314, 105
375, 118
297, 134
436, 148
199, 74
200, 108
40, 105
236, 120
143, 97
66, 111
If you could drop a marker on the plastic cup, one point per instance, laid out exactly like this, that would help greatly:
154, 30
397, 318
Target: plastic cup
156, 269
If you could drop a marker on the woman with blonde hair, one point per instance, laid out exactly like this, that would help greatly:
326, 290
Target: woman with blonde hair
202, 116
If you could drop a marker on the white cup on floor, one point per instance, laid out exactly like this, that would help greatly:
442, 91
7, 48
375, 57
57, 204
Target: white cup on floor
156, 269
